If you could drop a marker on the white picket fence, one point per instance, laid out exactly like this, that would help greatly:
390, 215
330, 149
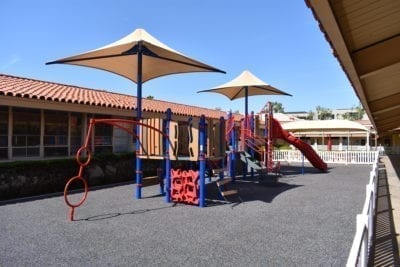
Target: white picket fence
341, 157
362, 241
365, 221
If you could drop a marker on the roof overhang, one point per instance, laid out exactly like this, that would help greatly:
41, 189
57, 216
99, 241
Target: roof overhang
365, 38
324, 126
332, 134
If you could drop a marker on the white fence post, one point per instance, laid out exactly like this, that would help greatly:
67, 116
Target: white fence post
341, 157
359, 253
362, 241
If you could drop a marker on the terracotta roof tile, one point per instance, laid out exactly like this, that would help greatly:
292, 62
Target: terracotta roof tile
50, 91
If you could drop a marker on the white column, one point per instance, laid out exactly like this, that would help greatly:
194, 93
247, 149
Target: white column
367, 143
348, 140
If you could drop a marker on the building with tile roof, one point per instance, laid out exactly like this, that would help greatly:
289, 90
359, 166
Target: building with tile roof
343, 134
70, 98
40, 119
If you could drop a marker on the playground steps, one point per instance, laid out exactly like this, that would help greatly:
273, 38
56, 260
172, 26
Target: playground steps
152, 180
256, 143
218, 171
221, 184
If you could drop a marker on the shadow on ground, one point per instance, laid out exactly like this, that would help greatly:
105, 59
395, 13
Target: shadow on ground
395, 159
289, 170
248, 190
384, 251
117, 214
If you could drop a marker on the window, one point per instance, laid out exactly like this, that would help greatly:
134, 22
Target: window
76, 123
3, 132
122, 141
183, 137
55, 138
103, 134
26, 132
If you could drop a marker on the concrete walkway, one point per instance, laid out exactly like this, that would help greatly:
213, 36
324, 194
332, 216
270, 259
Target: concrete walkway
305, 220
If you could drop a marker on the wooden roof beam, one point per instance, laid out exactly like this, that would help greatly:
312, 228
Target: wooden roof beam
389, 101
389, 126
377, 57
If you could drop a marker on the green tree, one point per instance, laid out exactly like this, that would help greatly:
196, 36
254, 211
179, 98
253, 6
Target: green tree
150, 97
359, 111
310, 115
356, 113
277, 107
347, 116
324, 113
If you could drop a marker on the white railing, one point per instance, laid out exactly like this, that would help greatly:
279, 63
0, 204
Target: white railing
342, 157
365, 221
343, 147
362, 241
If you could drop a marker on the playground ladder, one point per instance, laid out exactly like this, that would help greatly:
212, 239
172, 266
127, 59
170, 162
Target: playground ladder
221, 184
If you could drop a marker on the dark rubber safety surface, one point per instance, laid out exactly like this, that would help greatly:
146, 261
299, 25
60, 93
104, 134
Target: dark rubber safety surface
304, 220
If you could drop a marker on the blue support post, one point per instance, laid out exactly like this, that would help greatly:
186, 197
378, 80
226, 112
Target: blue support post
139, 172
265, 154
244, 145
244, 170
202, 141
252, 152
232, 150
222, 145
161, 177
167, 159
245, 126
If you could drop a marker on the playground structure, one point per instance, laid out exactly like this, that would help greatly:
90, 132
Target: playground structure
209, 142
198, 139
140, 57
255, 146
306, 149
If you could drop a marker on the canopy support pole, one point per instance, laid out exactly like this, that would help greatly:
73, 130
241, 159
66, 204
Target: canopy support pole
139, 172
167, 183
202, 161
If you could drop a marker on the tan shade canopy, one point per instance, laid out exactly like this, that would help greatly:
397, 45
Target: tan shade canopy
120, 57
236, 88
139, 57
245, 85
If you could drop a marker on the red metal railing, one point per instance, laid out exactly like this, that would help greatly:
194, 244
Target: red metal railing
85, 151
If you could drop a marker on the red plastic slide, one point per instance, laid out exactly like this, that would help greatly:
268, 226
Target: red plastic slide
306, 149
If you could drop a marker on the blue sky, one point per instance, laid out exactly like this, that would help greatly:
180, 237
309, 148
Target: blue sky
278, 41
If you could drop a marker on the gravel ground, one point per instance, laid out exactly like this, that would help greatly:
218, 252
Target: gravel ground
304, 220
